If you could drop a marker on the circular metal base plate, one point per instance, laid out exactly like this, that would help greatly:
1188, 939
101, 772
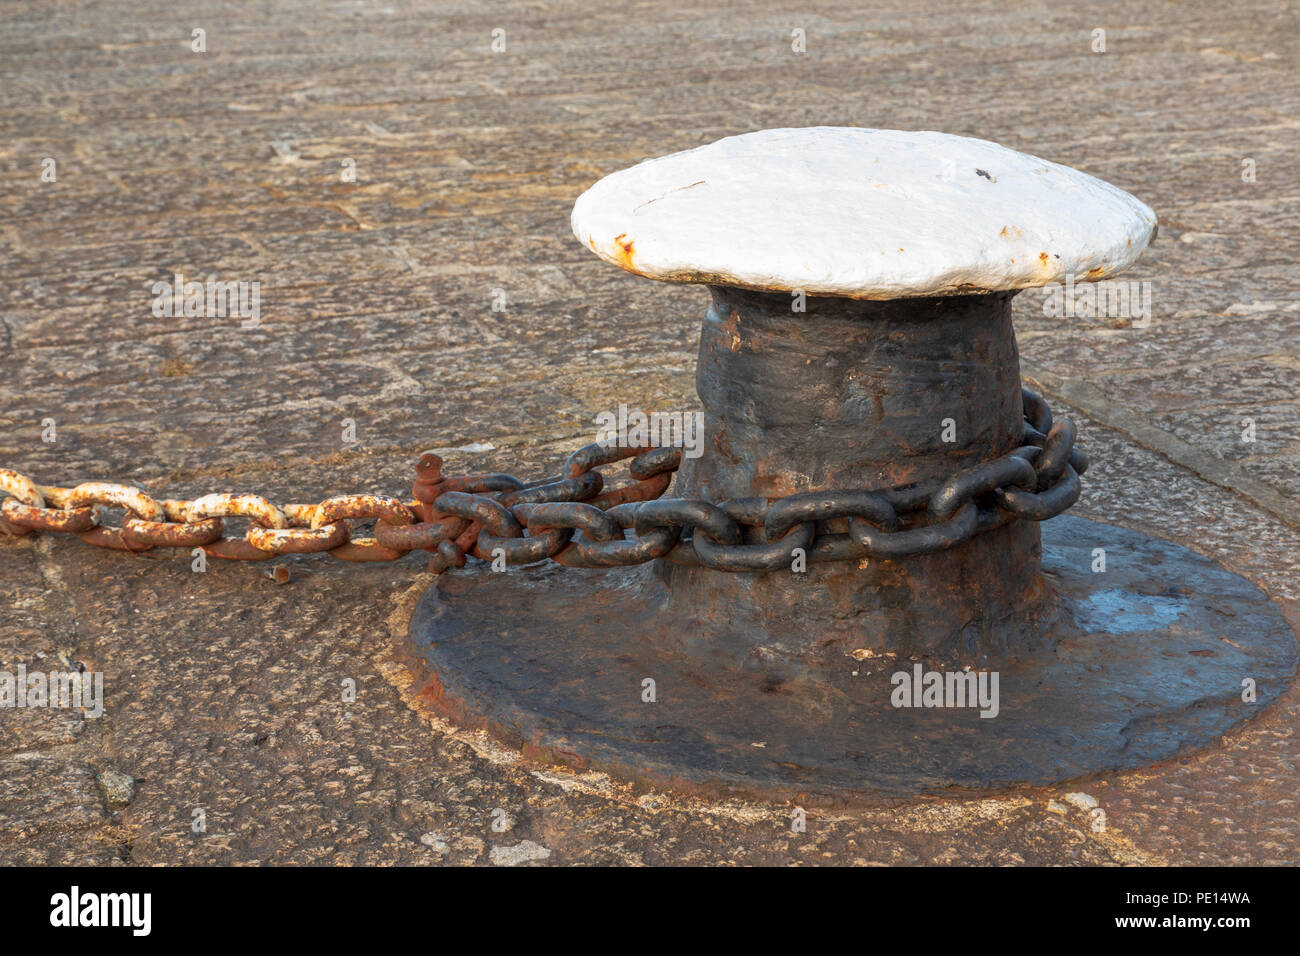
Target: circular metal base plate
1144, 660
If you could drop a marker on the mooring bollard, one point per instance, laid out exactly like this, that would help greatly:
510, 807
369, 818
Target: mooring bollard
865, 585
866, 604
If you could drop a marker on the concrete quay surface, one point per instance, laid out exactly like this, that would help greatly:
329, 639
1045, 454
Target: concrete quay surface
222, 690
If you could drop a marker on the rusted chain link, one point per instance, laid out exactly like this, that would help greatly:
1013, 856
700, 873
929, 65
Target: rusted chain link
574, 520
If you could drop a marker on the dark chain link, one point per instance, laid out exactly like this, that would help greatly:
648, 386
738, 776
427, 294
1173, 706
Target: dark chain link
574, 520
1036, 481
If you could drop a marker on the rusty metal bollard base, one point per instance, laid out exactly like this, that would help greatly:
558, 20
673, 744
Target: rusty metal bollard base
1131, 666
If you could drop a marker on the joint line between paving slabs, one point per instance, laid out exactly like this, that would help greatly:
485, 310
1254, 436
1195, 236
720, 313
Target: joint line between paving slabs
1090, 400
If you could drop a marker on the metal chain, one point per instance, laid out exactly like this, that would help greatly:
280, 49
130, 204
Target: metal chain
573, 520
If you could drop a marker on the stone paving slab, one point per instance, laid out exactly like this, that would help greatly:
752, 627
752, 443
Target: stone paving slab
223, 689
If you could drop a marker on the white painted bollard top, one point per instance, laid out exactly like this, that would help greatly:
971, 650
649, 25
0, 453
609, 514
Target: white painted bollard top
861, 213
